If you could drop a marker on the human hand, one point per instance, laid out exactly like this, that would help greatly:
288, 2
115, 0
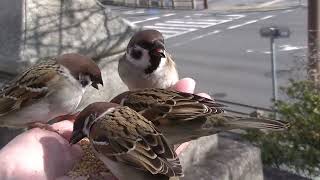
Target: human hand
39, 154
42, 154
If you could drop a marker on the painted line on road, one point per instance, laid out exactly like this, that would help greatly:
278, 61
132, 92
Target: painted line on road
204, 35
134, 12
287, 11
170, 14
195, 38
236, 16
267, 17
243, 24
269, 3
173, 28
180, 25
191, 22
168, 31
148, 19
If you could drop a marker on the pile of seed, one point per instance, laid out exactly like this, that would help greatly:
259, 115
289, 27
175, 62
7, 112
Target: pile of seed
89, 166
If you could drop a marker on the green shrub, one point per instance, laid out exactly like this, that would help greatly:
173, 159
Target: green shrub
299, 147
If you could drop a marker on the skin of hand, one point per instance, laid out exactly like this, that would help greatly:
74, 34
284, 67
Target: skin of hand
41, 154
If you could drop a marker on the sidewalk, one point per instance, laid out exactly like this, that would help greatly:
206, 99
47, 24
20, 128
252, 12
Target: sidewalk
252, 5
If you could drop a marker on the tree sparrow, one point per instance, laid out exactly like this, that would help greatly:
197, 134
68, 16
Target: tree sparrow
146, 64
51, 88
183, 116
129, 145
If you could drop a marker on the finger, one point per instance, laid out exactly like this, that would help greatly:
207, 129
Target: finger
185, 85
204, 95
64, 128
182, 147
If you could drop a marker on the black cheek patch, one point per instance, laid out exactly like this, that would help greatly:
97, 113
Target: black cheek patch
136, 54
155, 61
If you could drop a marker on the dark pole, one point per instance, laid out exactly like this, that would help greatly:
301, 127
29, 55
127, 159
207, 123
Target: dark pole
313, 41
205, 4
274, 72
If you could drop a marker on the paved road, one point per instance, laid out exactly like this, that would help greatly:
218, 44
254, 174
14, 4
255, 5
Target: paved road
224, 52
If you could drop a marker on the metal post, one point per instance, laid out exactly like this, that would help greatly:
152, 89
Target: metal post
192, 4
205, 4
274, 73
313, 41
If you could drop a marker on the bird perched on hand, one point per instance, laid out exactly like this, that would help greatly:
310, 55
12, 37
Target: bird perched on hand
146, 63
183, 116
129, 145
51, 88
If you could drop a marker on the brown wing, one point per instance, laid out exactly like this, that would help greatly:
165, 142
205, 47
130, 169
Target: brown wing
27, 87
155, 104
126, 136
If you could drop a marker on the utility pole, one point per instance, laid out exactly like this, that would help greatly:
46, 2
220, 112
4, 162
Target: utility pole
205, 3
313, 41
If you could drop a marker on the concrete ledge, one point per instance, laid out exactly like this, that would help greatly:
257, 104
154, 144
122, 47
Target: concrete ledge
221, 158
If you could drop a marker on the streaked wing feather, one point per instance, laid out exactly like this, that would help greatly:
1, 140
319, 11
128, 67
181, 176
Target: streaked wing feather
133, 140
28, 87
156, 104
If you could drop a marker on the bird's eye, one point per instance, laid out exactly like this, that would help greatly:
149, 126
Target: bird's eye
136, 54
84, 80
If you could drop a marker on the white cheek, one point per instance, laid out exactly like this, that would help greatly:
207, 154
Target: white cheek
143, 62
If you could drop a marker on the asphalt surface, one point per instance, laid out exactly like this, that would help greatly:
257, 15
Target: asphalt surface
225, 53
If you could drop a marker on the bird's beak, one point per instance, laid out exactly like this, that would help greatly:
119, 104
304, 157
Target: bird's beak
159, 52
96, 82
76, 137
158, 49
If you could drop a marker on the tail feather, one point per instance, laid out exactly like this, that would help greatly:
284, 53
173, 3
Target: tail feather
255, 123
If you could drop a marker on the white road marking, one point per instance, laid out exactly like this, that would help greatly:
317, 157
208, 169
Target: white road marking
177, 28
269, 3
281, 48
267, 17
134, 12
288, 47
204, 35
243, 24
195, 38
236, 16
191, 22
148, 19
287, 11
170, 14
249, 50
168, 31
180, 25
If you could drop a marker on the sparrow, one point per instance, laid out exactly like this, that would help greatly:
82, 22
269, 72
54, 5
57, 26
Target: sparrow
128, 144
51, 88
183, 116
146, 63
